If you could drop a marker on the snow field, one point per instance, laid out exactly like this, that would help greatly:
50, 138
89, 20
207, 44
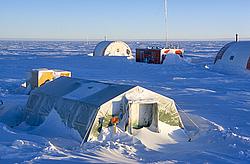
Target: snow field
218, 103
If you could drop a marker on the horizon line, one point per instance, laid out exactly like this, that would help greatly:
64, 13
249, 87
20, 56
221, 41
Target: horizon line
96, 40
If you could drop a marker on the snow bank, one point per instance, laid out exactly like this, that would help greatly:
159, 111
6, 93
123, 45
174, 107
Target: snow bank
12, 114
16, 147
168, 135
54, 127
121, 146
139, 144
226, 69
173, 59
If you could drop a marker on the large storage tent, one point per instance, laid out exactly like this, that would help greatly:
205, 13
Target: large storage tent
112, 48
88, 106
234, 56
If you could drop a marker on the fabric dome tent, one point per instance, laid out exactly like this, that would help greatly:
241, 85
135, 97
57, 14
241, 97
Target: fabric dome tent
112, 48
234, 56
88, 106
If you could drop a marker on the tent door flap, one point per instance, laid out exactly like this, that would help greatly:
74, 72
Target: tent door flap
143, 115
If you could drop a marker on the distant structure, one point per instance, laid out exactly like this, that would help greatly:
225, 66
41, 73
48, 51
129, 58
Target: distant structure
40, 76
234, 56
156, 55
112, 48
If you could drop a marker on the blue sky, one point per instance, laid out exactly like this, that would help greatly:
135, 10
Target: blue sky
124, 19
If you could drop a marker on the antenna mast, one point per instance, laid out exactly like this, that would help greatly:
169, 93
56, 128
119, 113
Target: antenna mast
166, 21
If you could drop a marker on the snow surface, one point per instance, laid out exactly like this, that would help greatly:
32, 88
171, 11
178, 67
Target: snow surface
218, 105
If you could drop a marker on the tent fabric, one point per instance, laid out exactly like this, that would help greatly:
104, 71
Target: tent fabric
121, 104
107, 94
74, 114
87, 105
62, 86
77, 114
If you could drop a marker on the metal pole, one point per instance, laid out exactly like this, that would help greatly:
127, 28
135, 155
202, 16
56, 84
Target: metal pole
166, 21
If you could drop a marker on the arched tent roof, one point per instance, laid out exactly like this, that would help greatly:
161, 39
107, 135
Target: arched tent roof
101, 47
86, 91
234, 56
112, 48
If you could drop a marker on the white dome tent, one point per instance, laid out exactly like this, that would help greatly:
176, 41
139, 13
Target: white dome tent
112, 48
234, 57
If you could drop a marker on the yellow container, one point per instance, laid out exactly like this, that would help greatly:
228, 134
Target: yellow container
44, 75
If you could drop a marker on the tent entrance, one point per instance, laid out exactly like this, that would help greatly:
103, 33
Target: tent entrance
143, 114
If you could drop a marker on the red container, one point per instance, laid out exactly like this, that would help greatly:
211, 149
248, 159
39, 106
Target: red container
151, 56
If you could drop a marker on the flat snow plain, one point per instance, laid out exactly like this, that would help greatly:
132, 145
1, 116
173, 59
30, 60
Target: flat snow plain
218, 103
